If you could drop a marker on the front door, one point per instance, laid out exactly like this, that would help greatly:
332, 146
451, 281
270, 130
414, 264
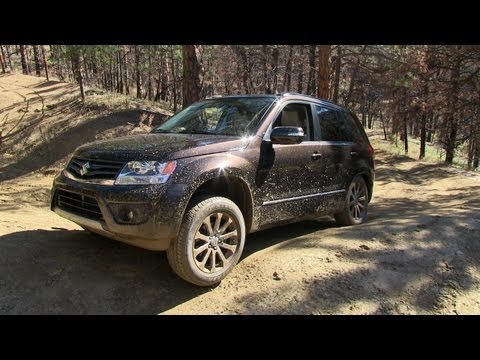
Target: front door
287, 176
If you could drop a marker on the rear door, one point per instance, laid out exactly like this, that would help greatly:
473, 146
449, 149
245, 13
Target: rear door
336, 149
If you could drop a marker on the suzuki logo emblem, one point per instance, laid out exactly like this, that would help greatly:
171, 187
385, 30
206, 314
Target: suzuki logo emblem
85, 168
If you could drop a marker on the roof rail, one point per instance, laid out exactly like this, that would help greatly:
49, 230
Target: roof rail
287, 93
213, 96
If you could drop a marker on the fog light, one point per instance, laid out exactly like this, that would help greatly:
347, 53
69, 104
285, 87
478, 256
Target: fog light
130, 214
125, 214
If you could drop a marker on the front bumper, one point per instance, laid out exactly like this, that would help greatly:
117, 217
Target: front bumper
145, 216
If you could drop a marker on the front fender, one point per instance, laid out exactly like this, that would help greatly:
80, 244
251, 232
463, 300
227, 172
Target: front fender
194, 172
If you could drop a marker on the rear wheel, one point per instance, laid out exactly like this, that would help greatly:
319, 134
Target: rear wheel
210, 242
356, 204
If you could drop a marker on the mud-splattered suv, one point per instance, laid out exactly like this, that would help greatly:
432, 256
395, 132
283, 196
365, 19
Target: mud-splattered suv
216, 171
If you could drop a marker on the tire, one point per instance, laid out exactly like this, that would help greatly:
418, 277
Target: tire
203, 255
356, 204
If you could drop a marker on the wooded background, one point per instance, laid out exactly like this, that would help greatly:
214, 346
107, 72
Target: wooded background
430, 92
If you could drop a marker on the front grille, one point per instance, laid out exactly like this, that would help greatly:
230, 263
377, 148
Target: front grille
94, 169
82, 205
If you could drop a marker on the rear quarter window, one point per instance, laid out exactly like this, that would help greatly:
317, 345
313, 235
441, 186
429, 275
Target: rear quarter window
332, 125
356, 128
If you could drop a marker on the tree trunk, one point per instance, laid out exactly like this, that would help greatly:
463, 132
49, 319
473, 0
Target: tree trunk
300, 72
430, 127
125, 70
56, 49
238, 73
338, 69
471, 148
36, 58
165, 79
9, 58
2, 59
149, 81
137, 72
120, 72
104, 80
27, 57
476, 155
191, 75
245, 77
323, 90
94, 70
24, 60
405, 132
384, 126
274, 67
87, 78
45, 64
423, 136
451, 139
369, 111
174, 76
266, 77
288, 71
452, 121
161, 70
111, 76
364, 116
242, 65
311, 73
76, 62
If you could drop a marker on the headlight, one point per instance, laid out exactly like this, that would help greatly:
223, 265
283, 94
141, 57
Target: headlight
145, 172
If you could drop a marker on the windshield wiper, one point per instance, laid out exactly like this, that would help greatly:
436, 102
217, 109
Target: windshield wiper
196, 132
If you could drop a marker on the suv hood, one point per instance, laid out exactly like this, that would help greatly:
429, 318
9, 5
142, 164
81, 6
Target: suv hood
159, 147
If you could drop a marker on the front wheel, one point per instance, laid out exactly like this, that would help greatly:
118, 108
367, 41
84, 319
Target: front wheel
356, 204
210, 242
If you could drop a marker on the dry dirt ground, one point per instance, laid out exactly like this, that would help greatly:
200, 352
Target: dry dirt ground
418, 253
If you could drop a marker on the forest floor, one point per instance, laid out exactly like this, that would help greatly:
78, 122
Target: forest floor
418, 252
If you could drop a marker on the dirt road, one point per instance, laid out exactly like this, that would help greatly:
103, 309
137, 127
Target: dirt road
418, 253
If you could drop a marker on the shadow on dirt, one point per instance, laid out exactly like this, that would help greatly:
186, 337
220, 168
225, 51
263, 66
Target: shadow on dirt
74, 272
266, 238
47, 84
432, 268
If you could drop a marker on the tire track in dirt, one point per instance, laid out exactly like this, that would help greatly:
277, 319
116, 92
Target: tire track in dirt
23, 109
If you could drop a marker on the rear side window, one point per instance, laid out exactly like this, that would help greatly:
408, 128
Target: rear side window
332, 125
359, 135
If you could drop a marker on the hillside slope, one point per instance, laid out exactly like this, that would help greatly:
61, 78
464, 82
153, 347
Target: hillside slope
42, 122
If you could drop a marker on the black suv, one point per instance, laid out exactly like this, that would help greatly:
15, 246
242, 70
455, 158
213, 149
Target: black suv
217, 170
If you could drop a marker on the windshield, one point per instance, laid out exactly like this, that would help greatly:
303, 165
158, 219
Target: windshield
223, 116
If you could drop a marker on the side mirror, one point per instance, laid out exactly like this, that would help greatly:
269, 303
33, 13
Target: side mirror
287, 135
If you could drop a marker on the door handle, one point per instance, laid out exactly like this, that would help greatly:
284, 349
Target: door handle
353, 153
316, 156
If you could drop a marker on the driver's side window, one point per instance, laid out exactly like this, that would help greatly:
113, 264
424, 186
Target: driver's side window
298, 115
